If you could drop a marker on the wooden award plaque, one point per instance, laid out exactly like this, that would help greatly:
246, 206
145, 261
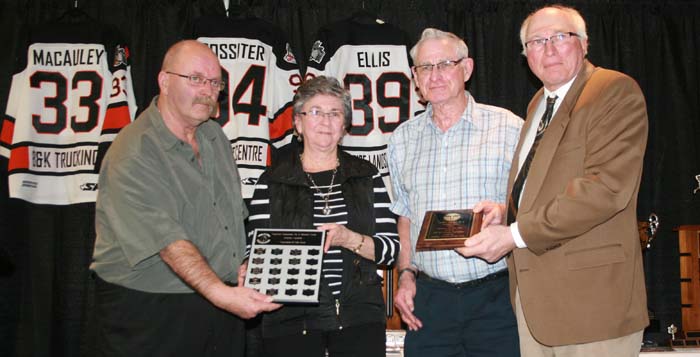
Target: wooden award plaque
447, 229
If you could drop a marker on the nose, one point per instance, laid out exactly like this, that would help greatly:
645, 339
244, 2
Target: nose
325, 119
435, 73
549, 48
208, 90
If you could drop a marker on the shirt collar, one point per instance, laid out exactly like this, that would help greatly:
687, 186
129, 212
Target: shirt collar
467, 115
561, 91
167, 138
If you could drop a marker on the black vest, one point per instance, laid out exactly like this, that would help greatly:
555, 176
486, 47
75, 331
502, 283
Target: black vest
291, 206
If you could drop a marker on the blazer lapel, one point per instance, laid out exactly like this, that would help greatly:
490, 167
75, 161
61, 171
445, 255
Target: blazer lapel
552, 136
515, 163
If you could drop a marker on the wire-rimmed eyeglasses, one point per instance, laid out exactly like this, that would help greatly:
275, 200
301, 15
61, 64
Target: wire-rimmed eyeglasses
316, 113
441, 66
555, 40
199, 81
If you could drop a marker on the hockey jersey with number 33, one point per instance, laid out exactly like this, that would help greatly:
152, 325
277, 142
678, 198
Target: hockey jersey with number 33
71, 95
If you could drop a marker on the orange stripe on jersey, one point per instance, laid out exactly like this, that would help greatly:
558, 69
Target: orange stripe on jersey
7, 131
269, 156
281, 124
116, 118
19, 159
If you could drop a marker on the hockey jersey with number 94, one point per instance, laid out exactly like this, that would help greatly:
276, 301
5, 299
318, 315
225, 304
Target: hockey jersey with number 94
262, 75
72, 95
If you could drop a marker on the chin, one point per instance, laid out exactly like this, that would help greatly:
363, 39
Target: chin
327, 144
201, 118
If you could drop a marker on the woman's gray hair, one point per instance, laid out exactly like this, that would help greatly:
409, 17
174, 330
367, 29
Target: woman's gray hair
435, 34
322, 85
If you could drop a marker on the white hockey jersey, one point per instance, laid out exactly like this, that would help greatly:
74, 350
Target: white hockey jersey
262, 75
71, 95
371, 58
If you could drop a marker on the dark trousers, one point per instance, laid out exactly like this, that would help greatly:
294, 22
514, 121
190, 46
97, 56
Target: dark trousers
135, 323
356, 341
464, 321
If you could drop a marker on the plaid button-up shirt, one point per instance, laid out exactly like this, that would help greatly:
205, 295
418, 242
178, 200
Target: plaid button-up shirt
435, 170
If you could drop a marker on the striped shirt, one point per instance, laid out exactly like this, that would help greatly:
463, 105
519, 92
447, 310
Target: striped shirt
436, 170
386, 239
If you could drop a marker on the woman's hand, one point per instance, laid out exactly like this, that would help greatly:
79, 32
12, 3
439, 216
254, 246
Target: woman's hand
339, 235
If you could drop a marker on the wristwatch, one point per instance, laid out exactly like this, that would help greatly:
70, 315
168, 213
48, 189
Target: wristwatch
410, 270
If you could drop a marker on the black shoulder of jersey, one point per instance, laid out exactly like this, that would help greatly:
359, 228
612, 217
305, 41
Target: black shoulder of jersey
86, 31
357, 32
352, 32
248, 27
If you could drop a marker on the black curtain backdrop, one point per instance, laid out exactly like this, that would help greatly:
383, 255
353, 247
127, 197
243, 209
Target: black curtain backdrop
45, 290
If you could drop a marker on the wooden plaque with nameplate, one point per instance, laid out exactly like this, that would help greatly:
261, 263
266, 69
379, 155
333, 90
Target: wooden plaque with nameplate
447, 229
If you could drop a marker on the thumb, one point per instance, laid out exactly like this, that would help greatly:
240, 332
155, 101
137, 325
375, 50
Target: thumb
472, 241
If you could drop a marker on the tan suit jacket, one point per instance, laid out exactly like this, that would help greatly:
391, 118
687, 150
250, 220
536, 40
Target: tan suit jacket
580, 278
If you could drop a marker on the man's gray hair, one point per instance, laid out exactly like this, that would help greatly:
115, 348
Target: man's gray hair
573, 14
435, 34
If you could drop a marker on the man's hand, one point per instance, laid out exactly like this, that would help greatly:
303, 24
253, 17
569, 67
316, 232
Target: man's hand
403, 300
491, 244
242, 271
243, 302
493, 212
187, 262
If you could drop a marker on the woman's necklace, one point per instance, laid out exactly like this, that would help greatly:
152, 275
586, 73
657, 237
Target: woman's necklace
326, 208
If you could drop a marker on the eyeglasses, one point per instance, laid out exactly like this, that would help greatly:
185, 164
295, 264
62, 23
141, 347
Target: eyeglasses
441, 66
199, 81
316, 113
556, 40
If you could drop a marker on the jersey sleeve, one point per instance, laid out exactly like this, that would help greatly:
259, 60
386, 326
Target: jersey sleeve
121, 104
7, 126
321, 53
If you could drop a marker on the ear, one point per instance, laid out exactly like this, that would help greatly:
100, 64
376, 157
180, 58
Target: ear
414, 74
297, 124
584, 45
414, 78
468, 68
163, 82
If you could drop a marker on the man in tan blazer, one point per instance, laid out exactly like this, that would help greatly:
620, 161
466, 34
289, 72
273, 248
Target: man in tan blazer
576, 277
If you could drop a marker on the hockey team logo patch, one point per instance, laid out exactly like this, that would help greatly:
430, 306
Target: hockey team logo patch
289, 56
120, 56
317, 52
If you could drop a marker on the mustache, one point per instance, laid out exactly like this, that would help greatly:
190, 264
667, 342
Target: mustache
213, 104
205, 100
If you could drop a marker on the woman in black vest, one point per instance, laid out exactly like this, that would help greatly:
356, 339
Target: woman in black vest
313, 184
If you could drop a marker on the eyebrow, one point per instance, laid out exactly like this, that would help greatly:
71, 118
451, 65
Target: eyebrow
553, 33
436, 61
